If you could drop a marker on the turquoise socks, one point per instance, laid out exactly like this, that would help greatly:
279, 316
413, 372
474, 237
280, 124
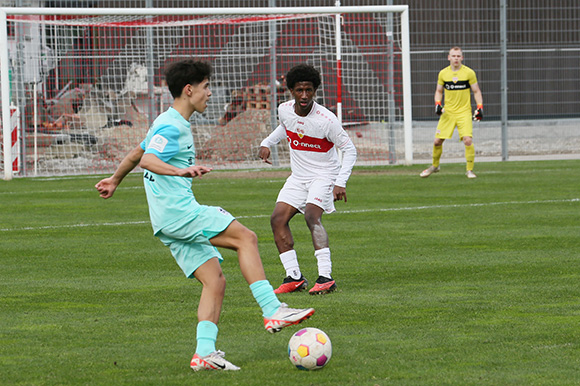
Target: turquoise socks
206, 337
265, 296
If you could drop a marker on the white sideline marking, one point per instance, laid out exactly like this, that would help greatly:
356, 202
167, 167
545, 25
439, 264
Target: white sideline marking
341, 212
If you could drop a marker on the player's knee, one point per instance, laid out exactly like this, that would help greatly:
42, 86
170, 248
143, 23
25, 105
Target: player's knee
277, 221
249, 236
312, 220
219, 285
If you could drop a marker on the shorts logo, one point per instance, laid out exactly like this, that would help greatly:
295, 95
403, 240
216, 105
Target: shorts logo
317, 199
300, 133
223, 211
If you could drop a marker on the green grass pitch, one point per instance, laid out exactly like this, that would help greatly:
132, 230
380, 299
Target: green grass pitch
442, 281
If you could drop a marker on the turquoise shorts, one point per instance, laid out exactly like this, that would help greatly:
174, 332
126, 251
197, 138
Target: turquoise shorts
189, 241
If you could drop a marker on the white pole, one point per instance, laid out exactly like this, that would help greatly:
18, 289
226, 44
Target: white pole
34, 88
337, 33
5, 92
407, 105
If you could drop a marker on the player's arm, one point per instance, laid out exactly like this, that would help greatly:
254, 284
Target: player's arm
478, 114
438, 98
154, 164
274, 138
107, 186
348, 160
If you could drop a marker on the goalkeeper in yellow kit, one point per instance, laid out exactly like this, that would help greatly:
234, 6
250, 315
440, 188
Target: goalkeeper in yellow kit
457, 81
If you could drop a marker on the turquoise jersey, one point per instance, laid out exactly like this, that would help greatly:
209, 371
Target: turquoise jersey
170, 198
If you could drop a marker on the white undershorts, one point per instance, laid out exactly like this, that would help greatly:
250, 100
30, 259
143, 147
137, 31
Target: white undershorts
318, 192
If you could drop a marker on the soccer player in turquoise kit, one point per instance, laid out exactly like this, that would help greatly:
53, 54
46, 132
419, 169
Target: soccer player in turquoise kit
193, 231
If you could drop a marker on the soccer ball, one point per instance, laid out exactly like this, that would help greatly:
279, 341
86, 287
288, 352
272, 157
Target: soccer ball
309, 349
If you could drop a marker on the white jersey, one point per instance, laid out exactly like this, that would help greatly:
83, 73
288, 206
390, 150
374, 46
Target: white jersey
313, 141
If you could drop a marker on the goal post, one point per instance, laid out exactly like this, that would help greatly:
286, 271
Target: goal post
88, 82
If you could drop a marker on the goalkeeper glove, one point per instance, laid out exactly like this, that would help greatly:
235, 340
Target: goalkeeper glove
438, 108
478, 113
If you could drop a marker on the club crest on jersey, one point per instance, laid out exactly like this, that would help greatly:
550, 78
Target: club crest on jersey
300, 133
455, 79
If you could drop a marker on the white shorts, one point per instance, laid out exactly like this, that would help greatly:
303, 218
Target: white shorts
318, 192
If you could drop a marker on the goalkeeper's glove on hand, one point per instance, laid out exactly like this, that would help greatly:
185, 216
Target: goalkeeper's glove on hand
478, 113
438, 108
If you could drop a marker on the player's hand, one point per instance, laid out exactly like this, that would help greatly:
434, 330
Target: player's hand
439, 108
339, 193
478, 113
106, 187
194, 171
264, 153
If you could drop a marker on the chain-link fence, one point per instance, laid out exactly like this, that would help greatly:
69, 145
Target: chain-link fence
526, 54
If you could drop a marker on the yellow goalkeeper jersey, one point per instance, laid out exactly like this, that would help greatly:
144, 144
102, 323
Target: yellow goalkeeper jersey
457, 85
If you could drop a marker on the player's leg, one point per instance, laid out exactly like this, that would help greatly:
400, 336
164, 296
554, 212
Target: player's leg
437, 151
213, 284
320, 199
202, 261
244, 241
290, 201
465, 130
280, 222
445, 128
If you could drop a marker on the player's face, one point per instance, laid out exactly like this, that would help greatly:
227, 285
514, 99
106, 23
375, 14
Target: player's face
199, 95
303, 93
455, 58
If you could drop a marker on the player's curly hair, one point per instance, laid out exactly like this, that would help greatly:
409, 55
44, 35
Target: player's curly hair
302, 73
180, 74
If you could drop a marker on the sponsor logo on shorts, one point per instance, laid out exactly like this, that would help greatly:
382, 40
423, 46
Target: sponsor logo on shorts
223, 211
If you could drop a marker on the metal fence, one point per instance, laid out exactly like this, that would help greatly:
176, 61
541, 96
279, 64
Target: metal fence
526, 54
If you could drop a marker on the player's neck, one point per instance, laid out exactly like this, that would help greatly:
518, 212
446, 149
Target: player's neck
456, 68
185, 109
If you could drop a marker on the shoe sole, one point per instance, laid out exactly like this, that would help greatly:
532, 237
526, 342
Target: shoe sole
427, 175
325, 291
273, 330
300, 288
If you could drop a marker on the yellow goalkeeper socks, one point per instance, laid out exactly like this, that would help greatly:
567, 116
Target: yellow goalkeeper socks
437, 151
470, 156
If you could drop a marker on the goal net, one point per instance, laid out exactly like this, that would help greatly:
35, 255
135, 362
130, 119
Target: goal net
80, 87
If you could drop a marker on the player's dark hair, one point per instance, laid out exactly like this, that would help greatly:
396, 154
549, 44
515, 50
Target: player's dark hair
188, 71
302, 73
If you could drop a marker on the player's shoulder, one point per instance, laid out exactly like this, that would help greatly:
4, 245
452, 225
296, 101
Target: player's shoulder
445, 70
323, 113
467, 69
286, 108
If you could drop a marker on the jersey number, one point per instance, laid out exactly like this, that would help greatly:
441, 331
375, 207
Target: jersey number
149, 177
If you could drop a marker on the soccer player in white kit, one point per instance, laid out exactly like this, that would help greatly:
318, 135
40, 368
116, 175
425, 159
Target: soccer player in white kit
318, 176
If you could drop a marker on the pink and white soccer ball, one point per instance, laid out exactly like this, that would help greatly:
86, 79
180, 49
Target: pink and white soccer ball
309, 349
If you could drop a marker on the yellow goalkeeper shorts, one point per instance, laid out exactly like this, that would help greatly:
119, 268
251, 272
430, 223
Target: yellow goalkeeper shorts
449, 121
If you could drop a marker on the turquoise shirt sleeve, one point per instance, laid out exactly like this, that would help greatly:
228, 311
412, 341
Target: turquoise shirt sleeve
164, 142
